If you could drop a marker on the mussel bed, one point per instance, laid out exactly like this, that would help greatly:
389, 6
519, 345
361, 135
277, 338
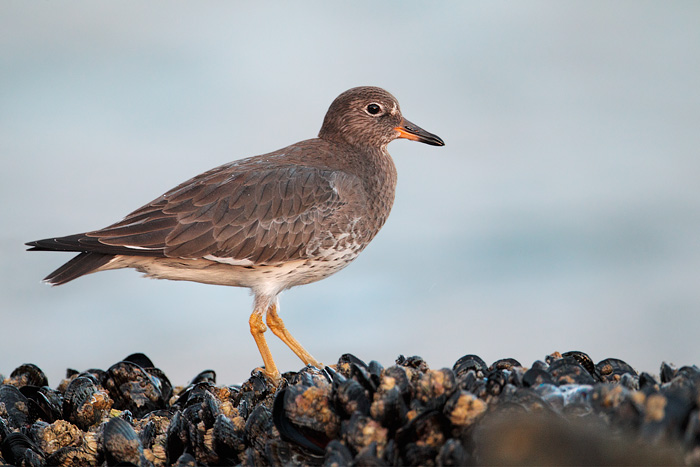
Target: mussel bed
564, 409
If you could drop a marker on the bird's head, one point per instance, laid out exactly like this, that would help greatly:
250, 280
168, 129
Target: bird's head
370, 117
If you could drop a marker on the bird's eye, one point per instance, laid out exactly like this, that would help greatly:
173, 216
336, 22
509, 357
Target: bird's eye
373, 109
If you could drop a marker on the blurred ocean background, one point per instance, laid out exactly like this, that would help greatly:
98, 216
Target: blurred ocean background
562, 214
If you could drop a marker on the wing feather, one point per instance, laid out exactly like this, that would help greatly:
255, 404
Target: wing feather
238, 212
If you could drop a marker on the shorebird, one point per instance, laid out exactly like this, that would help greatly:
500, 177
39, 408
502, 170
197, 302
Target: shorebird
269, 222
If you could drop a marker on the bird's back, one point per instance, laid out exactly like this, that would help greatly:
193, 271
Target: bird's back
315, 203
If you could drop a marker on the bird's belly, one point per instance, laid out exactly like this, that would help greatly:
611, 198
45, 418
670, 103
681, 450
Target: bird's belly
266, 279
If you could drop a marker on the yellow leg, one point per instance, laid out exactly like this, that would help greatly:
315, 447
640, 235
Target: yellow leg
257, 329
276, 325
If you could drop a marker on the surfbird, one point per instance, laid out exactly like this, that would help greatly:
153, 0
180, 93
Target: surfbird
269, 222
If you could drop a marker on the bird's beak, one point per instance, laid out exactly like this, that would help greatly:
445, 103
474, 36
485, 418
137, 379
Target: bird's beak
415, 133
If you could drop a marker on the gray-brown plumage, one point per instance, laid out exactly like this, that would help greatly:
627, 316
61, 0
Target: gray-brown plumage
269, 222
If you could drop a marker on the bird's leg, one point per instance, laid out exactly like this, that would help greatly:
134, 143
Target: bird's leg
276, 325
257, 329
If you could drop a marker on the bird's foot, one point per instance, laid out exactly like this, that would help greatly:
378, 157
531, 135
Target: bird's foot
318, 365
273, 377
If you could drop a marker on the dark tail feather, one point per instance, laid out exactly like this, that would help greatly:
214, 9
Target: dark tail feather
69, 243
82, 264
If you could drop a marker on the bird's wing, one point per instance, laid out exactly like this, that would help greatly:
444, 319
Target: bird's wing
253, 216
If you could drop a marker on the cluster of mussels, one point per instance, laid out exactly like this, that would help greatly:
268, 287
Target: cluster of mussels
564, 410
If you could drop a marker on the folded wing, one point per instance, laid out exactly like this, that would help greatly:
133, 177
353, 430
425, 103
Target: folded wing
253, 216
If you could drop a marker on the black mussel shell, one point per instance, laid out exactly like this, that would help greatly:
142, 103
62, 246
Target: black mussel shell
206, 376
375, 369
122, 445
45, 403
258, 430
304, 415
201, 406
16, 406
158, 377
199, 416
177, 437
186, 460
4, 429
539, 365
568, 370
495, 381
95, 374
337, 454
584, 360
469, 362
612, 369
351, 367
184, 397
453, 453
349, 397
619, 403
505, 364
420, 440
400, 380
350, 358
133, 388
629, 381
347, 361
357, 414
147, 435
527, 398
254, 390
369, 456
228, 442
28, 375
648, 382
360, 374
155, 423
691, 437
308, 375
360, 431
389, 408
140, 359
432, 388
463, 409
667, 372
535, 377
689, 373
164, 385
415, 362
18, 449
85, 403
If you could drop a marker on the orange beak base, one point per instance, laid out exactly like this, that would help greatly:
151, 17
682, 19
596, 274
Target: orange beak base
413, 132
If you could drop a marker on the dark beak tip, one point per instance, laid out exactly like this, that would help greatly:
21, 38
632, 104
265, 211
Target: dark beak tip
414, 132
438, 142
431, 139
